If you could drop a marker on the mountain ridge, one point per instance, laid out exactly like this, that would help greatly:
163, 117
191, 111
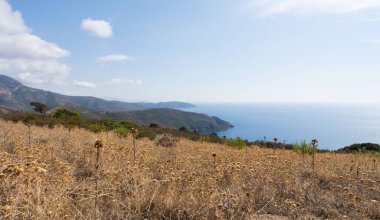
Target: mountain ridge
16, 96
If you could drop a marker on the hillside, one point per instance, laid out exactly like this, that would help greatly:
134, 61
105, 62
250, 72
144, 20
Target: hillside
56, 178
16, 96
173, 118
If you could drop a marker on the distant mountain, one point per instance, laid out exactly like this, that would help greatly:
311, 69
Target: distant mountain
14, 95
173, 118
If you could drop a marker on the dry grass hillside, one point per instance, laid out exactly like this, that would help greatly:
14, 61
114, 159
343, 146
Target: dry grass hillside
56, 178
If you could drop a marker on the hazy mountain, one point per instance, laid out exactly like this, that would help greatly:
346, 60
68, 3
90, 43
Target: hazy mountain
14, 95
174, 118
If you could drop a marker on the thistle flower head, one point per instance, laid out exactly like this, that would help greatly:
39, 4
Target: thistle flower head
314, 142
98, 144
134, 131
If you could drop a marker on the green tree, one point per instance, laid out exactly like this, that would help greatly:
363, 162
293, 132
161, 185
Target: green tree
39, 107
65, 113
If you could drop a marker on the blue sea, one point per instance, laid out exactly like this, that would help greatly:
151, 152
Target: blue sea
334, 125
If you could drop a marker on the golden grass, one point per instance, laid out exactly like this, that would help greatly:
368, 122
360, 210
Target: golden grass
55, 179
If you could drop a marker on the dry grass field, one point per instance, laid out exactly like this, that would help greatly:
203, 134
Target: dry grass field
56, 178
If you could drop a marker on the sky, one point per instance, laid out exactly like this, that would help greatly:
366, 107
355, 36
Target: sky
195, 50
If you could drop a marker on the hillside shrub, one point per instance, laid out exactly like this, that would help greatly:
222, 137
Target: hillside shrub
154, 125
166, 140
204, 138
235, 142
303, 147
363, 147
96, 128
122, 132
65, 113
146, 133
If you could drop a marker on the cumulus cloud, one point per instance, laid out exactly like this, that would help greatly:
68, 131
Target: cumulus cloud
115, 58
310, 7
115, 81
26, 55
84, 84
99, 28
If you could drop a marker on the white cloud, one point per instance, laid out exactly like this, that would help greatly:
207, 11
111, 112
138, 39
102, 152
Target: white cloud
115, 58
123, 81
26, 55
25, 45
10, 21
84, 84
311, 7
97, 28
30, 78
38, 70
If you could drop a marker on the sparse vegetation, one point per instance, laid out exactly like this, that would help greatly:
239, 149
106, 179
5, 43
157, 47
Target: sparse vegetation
57, 178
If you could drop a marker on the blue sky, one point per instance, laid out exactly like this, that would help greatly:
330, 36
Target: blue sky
196, 50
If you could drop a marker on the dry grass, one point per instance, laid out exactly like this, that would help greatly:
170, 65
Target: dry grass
55, 179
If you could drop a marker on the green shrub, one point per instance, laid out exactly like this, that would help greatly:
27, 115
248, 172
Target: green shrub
96, 128
65, 113
303, 147
204, 138
154, 125
122, 132
145, 133
364, 147
235, 142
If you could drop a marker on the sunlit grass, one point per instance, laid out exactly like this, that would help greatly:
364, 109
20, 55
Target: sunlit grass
62, 174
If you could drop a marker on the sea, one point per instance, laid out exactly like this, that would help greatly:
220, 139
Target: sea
333, 125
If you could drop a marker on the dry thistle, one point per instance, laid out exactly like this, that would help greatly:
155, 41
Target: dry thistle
314, 143
98, 144
134, 131
274, 148
134, 135
214, 156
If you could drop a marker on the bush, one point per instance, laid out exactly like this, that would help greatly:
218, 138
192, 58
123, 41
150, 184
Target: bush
204, 138
184, 129
166, 140
361, 148
65, 113
303, 147
145, 133
122, 132
96, 128
154, 125
235, 142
